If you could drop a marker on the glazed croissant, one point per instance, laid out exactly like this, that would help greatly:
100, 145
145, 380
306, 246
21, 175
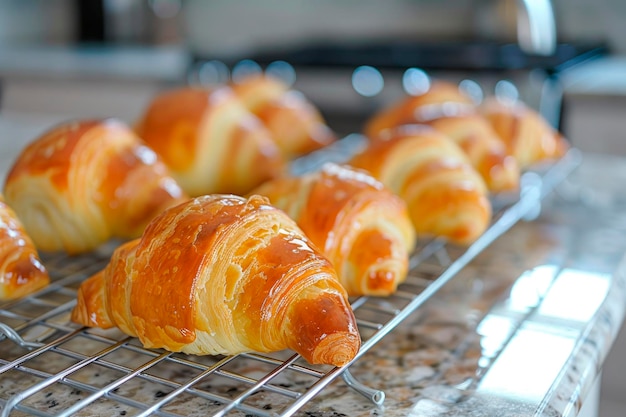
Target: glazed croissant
85, 182
403, 111
210, 141
296, 125
222, 274
363, 228
445, 195
525, 133
21, 270
486, 152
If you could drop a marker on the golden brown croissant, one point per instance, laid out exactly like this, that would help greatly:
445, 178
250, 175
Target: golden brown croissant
296, 124
363, 228
403, 111
445, 195
473, 133
526, 134
222, 274
21, 270
84, 182
210, 141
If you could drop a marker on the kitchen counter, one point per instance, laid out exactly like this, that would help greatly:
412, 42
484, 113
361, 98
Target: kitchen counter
523, 330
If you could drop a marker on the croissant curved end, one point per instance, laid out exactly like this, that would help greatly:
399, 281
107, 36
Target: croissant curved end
336, 349
502, 175
326, 330
90, 307
380, 257
383, 279
22, 277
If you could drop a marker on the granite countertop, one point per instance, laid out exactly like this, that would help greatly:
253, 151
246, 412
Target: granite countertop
523, 330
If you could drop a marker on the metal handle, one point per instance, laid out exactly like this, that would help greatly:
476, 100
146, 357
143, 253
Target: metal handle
536, 26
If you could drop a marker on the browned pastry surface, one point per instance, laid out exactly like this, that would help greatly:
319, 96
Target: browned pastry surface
486, 151
403, 110
21, 270
83, 182
362, 227
449, 111
526, 134
210, 141
445, 195
222, 274
295, 123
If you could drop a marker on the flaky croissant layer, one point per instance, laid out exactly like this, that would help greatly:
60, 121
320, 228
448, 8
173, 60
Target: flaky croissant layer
210, 141
296, 125
525, 133
21, 271
86, 181
445, 195
222, 274
362, 227
404, 111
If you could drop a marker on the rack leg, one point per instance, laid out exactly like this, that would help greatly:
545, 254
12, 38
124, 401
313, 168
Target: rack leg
374, 395
8, 332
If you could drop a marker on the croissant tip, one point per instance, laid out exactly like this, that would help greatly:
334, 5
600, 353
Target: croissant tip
90, 309
337, 349
79, 314
323, 330
384, 280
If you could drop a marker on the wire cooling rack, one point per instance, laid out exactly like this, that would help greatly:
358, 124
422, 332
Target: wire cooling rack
50, 366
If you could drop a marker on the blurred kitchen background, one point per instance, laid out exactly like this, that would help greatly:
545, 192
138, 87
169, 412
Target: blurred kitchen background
107, 57
96, 58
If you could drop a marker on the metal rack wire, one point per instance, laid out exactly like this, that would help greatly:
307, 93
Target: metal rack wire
50, 366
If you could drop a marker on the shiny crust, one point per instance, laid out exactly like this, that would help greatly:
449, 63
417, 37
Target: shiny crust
362, 227
403, 111
525, 133
21, 270
487, 153
84, 182
296, 125
445, 195
210, 141
223, 275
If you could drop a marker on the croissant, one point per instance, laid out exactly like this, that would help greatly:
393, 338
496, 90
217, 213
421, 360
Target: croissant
445, 195
403, 111
486, 152
363, 228
85, 182
221, 274
525, 133
210, 141
296, 125
21, 270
